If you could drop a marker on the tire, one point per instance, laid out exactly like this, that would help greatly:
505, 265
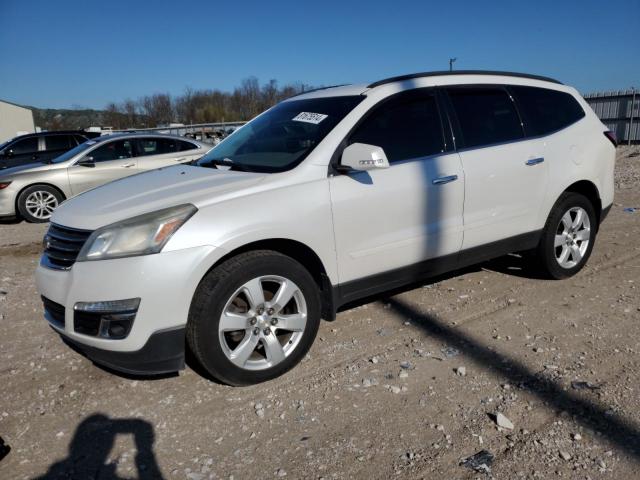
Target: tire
240, 348
565, 234
37, 203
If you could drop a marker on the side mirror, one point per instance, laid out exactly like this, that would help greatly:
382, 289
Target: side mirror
87, 162
362, 157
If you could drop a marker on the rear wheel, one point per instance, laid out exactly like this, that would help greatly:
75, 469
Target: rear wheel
37, 203
254, 317
568, 237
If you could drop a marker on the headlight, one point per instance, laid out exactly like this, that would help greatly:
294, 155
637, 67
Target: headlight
142, 235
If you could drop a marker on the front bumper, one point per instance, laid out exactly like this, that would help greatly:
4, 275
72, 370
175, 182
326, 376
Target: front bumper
163, 353
164, 282
7, 202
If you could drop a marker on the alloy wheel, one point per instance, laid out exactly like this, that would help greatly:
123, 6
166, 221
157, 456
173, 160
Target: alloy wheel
263, 322
41, 204
572, 237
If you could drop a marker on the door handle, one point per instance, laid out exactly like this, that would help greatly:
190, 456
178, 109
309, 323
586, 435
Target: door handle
128, 165
181, 159
534, 161
443, 180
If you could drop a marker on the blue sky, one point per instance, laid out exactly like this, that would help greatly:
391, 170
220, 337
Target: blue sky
86, 53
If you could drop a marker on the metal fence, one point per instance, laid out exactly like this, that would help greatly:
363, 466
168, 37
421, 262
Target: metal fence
205, 132
619, 111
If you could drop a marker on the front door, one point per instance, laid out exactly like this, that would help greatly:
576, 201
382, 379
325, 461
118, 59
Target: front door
406, 214
110, 161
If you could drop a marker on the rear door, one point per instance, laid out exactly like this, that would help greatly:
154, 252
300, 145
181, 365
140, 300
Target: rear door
506, 174
156, 152
110, 161
411, 212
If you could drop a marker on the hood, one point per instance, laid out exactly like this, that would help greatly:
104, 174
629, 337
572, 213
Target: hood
151, 191
28, 168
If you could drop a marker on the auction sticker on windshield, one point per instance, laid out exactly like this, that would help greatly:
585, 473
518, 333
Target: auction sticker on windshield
309, 117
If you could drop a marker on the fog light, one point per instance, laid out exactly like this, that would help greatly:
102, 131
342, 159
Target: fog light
111, 319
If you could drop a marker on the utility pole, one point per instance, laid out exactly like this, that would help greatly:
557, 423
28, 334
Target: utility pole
451, 60
633, 104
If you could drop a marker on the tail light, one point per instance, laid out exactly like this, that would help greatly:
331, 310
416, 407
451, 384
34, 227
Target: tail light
612, 137
4, 185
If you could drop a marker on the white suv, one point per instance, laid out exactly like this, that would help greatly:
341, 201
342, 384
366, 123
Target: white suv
328, 197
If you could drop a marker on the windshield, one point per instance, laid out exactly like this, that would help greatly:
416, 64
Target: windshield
74, 151
282, 137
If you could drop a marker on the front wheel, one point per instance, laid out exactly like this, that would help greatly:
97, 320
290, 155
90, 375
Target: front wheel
253, 317
568, 236
37, 203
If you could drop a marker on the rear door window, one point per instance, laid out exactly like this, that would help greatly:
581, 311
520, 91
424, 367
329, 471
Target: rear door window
406, 126
157, 146
22, 147
59, 142
486, 115
117, 150
545, 111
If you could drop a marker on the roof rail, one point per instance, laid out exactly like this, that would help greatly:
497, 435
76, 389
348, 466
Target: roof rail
316, 89
459, 72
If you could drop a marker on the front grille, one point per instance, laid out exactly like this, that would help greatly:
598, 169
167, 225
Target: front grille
54, 312
62, 245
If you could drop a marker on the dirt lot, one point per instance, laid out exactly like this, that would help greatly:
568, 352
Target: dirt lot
382, 393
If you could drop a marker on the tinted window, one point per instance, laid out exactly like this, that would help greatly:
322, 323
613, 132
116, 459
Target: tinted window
405, 126
545, 111
157, 146
112, 151
485, 115
79, 139
59, 142
182, 146
28, 145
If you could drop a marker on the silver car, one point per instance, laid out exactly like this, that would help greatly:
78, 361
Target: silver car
34, 191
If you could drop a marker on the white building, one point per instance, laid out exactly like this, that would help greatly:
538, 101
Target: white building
14, 120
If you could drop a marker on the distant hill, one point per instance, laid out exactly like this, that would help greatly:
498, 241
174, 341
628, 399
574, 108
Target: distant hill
62, 118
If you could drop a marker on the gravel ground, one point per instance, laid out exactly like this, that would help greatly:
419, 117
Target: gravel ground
541, 375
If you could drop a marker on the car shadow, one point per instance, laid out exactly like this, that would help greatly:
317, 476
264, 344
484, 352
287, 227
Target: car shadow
92, 442
611, 425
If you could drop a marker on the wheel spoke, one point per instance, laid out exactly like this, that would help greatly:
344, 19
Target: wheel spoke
579, 218
244, 350
231, 321
273, 349
283, 295
293, 323
564, 254
583, 235
560, 240
576, 255
566, 221
255, 293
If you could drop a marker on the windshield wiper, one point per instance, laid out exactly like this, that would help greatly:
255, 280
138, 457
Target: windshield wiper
227, 162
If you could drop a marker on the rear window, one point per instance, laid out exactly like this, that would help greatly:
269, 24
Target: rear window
545, 111
183, 146
486, 115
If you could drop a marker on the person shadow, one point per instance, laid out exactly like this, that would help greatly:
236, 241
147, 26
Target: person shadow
91, 444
